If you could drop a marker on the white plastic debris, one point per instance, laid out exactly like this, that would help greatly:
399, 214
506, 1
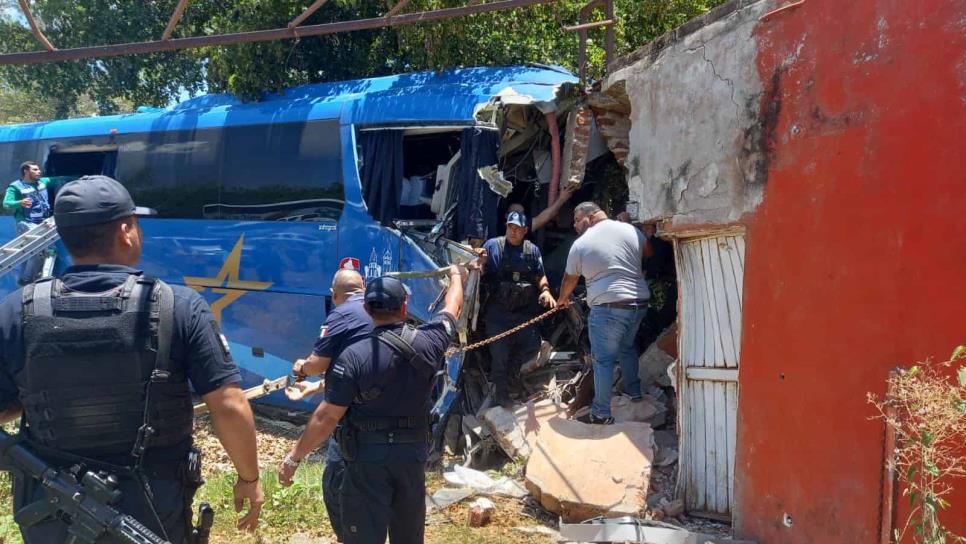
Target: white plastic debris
483, 484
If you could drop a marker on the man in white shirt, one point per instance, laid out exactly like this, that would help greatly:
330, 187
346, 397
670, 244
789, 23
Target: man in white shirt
608, 255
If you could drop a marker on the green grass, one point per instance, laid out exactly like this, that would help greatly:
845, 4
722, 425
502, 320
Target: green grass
287, 510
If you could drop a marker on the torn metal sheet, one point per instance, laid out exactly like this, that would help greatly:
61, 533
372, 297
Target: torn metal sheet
629, 529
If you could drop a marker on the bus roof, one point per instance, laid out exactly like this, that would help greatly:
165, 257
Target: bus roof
449, 96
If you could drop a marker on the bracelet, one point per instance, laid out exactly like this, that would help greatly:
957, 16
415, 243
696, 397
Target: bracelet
240, 479
290, 461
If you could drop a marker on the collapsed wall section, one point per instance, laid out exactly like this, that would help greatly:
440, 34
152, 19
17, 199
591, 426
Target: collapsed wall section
698, 142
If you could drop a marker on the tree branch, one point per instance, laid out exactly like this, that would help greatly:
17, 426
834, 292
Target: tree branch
36, 29
175, 17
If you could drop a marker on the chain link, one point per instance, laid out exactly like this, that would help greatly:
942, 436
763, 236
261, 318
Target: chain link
504, 334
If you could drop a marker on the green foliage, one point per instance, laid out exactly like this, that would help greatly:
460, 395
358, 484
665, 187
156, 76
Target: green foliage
531, 34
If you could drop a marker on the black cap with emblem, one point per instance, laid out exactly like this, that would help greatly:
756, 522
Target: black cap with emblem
93, 200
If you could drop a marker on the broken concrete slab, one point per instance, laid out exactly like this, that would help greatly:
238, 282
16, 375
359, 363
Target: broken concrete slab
581, 471
516, 430
647, 410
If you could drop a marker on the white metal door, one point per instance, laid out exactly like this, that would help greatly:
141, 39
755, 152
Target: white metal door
711, 274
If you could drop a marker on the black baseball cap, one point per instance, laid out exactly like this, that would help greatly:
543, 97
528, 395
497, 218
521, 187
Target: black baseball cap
93, 200
386, 293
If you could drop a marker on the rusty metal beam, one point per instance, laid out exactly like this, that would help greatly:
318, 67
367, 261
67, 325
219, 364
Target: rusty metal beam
173, 21
305, 14
39, 57
34, 28
397, 8
587, 26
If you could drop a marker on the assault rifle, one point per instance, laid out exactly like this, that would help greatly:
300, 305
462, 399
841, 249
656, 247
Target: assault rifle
82, 499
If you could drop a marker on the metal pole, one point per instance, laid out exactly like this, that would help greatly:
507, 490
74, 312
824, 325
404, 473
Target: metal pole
34, 28
305, 14
175, 17
39, 57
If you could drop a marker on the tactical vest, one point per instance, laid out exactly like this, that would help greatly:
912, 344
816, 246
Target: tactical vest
365, 429
40, 207
514, 287
97, 378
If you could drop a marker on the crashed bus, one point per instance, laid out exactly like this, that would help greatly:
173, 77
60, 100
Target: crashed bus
259, 203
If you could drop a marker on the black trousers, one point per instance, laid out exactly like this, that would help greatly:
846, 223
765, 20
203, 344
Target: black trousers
385, 497
169, 503
507, 355
331, 490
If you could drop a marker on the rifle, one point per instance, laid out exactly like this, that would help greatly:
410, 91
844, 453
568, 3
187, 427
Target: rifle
82, 499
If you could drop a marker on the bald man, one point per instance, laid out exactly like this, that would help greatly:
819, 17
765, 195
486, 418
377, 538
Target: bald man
345, 325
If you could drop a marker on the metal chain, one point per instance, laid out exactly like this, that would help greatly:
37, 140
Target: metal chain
504, 334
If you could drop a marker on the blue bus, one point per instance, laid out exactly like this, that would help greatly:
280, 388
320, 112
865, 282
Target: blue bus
260, 203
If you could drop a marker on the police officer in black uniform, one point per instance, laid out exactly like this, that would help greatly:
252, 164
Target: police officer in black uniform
98, 364
380, 389
345, 325
515, 286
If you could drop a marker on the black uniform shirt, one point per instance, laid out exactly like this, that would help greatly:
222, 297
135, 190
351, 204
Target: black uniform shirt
406, 394
197, 348
345, 325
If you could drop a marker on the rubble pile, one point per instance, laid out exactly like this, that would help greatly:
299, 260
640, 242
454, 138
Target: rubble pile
577, 471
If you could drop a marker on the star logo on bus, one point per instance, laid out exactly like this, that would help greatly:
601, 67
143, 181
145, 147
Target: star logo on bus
227, 283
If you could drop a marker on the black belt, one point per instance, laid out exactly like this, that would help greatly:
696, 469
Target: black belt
625, 305
403, 436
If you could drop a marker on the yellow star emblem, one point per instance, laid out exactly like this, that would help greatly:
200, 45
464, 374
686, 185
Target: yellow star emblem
226, 283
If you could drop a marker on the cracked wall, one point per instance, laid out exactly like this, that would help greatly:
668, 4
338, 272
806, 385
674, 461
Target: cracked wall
698, 144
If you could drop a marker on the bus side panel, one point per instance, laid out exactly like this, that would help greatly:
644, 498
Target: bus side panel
263, 280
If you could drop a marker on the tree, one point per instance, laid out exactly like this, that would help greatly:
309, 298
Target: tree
531, 34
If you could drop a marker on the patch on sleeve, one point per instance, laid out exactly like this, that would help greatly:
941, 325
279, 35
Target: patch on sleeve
323, 331
448, 327
224, 344
338, 369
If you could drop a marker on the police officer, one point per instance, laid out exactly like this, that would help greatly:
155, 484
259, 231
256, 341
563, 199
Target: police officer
516, 286
380, 389
98, 364
345, 325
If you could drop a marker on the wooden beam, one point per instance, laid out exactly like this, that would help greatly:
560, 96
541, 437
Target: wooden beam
397, 8
101, 51
305, 14
173, 21
34, 28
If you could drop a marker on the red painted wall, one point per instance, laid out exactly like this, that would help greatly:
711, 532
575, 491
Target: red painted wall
856, 259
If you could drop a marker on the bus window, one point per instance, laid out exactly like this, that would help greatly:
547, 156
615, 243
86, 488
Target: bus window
281, 172
272, 172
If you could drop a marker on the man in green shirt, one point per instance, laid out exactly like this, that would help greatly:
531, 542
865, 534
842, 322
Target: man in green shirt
29, 199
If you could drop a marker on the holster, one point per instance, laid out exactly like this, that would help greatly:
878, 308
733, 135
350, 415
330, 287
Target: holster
191, 480
348, 437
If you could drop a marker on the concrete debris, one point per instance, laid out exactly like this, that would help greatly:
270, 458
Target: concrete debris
580, 471
480, 512
647, 410
515, 430
494, 178
673, 508
654, 362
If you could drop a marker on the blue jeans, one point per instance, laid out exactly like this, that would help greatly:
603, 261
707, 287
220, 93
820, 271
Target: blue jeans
33, 267
612, 332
